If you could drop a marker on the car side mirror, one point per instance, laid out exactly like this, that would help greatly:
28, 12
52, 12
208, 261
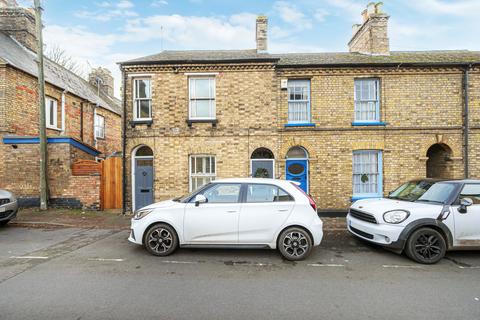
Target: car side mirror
464, 203
200, 198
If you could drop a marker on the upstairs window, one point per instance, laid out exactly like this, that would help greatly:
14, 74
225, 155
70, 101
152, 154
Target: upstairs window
202, 170
201, 98
298, 101
99, 126
142, 99
367, 173
367, 100
51, 114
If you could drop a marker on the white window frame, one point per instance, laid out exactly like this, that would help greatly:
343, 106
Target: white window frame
192, 176
379, 174
359, 101
136, 107
99, 128
292, 84
48, 101
212, 100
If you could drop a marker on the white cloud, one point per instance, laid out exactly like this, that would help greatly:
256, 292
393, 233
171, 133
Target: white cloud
320, 14
458, 8
108, 11
290, 14
125, 4
159, 3
194, 32
351, 7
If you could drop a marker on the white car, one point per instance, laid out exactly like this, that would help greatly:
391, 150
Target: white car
424, 218
232, 213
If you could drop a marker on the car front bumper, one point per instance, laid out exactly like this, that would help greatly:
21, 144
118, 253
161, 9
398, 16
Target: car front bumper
383, 234
137, 228
8, 211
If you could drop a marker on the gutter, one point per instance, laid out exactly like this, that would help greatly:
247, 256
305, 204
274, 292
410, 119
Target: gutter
124, 143
195, 61
466, 124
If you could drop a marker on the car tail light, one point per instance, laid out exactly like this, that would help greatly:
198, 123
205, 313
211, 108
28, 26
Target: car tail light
310, 199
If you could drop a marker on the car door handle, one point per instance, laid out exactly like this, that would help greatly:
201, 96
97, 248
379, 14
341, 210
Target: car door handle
232, 211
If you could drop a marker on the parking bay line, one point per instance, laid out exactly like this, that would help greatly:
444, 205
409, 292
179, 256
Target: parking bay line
326, 265
106, 259
28, 257
401, 266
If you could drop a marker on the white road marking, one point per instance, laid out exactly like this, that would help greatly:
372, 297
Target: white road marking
28, 257
397, 266
471, 267
179, 262
106, 259
325, 265
476, 299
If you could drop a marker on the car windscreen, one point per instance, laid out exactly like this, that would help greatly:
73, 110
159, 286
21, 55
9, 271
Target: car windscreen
412, 190
438, 193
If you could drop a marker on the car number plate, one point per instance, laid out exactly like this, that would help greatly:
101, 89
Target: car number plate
2, 209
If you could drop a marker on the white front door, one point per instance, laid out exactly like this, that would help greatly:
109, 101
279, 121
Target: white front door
467, 225
266, 209
214, 222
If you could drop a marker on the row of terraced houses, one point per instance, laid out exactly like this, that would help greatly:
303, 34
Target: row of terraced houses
345, 125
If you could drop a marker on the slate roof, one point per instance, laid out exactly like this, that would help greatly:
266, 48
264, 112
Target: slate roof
450, 57
14, 54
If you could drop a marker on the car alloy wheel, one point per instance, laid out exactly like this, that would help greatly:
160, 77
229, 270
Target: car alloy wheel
161, 240
295, 244
426, 246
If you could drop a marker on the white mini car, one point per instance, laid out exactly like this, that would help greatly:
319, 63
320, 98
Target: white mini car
232, 213
424, 218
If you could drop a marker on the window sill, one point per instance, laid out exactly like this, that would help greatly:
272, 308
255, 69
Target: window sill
148, 122
367, 124
299, 125
53, 128
99, 138
192, 121
365, 196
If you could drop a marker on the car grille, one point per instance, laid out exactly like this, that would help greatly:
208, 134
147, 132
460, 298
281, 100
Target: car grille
362, 216
5, 214
4, 201
361, 233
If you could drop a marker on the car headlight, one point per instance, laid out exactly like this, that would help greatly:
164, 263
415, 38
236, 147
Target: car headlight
141, 214
395, 216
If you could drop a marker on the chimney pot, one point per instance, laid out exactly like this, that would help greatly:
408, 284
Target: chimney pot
378, 8
371, 8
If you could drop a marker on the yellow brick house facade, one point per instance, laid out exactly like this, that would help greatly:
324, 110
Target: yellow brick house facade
346, 125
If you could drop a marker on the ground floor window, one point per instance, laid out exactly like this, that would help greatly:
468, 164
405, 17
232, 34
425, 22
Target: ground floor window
367, 173
202, 170
262, 163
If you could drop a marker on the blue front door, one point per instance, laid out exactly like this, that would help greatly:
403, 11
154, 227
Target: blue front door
143, 183
297, 170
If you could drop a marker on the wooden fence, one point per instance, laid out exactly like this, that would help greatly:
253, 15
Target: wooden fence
110, 175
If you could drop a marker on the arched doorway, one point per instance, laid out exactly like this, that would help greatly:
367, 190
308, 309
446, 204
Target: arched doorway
142, 177
439, 163
297, 166
262, 163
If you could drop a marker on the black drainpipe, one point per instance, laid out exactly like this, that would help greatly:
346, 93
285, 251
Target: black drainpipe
466, 125
124, 143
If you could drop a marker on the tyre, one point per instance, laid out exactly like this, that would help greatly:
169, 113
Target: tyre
426, 245
4, 222
295, 244
161, 240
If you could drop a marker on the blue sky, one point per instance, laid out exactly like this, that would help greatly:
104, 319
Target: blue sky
103, 32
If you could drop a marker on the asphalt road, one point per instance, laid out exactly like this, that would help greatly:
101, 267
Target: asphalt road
97, 274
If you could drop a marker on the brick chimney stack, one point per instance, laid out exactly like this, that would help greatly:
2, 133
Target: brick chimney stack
19, 23
371, 37
261, 34
102, 77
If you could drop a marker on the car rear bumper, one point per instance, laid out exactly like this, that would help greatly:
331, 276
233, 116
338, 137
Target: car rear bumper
317, 232
8, 211
382, 234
